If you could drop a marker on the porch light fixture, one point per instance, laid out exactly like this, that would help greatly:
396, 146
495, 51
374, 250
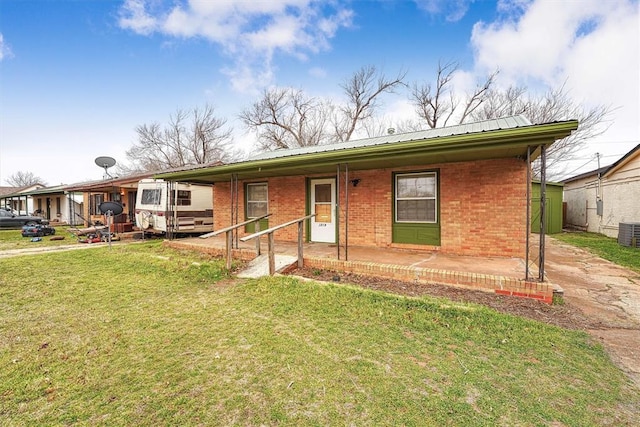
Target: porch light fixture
355, 182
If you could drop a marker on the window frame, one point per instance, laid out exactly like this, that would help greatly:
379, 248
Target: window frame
144, 196
248, 202
181, 198
435, 197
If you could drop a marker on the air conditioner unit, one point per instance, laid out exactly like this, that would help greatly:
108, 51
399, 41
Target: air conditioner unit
629, 234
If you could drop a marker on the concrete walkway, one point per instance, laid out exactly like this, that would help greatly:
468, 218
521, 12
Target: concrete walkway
609, 295
35, 250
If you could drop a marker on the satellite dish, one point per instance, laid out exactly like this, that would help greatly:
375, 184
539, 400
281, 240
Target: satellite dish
106, 163
114, 208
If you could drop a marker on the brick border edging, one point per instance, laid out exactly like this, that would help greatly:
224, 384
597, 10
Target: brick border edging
502, 285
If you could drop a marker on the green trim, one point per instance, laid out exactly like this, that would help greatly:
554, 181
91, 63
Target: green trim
417, 233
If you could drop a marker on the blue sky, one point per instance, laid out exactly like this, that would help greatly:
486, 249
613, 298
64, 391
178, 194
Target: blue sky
77, 77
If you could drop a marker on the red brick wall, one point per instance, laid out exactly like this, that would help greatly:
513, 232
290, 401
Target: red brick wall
482, 206
286, 203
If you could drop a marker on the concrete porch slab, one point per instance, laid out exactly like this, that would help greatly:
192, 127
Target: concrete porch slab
504, 276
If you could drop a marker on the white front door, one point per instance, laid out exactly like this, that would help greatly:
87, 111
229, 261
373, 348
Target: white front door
323, 203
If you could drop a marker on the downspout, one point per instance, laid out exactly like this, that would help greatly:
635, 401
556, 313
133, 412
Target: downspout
543, 206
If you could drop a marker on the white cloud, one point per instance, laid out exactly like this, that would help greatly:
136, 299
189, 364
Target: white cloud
591, 45
250, 33
5, 51
248, 78
134, 16
453, 10
538, 46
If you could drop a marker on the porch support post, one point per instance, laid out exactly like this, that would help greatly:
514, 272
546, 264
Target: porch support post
338, 210
229, 245
543, 205
528, 226
272, 255
346, 212
300, 254
237, 207
233, 194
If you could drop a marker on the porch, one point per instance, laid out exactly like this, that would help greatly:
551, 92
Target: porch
503, 276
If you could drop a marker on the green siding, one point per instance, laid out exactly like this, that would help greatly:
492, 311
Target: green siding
251, 228
553, 209
418, 234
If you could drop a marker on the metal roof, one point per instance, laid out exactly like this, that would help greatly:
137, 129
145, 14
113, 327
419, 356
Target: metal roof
510, 122
491, 139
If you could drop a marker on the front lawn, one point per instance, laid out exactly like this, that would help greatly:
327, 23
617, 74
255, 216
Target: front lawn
605, 247
145, 335
12, 239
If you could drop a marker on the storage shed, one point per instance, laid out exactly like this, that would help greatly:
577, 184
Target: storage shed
553, 216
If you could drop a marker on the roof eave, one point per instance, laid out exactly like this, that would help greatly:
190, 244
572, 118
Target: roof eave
505, 140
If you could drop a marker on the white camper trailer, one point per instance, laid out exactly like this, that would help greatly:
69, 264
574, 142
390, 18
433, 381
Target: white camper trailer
174, 207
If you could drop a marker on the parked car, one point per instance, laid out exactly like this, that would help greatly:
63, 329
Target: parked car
37, 230
9, 219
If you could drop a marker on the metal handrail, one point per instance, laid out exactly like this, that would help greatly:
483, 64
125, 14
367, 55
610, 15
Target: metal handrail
269, 232
277, 227
233, 227
229, 237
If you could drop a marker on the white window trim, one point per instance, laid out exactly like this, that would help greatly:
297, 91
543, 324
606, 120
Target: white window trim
247, 201
435, 197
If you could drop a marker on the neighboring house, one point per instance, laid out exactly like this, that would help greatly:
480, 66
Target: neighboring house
460, 189
599, 200
57, 204
121, 190
17, 198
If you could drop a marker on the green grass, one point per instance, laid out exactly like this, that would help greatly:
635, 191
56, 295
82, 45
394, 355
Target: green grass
145, 335
605, 247
12, 239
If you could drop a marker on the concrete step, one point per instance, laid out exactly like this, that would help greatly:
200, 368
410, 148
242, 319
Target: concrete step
259, 266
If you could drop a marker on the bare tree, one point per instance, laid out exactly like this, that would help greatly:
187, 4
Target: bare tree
287, 118
195, 137
363, 90
23, 179
554, 105
438, 104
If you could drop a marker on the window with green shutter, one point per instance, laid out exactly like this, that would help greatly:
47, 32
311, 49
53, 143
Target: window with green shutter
416, 208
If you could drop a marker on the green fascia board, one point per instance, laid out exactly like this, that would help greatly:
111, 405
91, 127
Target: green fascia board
501, 143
